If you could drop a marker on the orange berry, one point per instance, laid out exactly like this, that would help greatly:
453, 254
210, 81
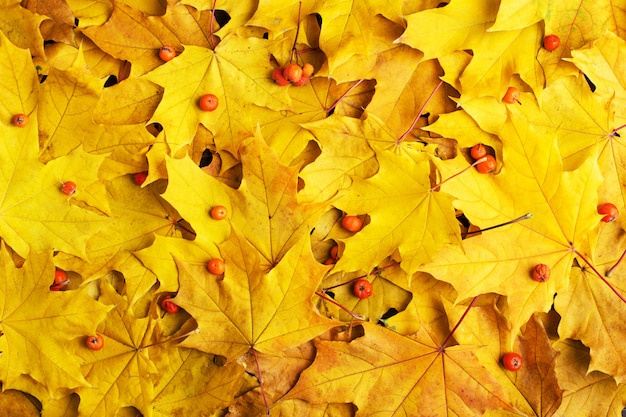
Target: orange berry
293, 72
216, 266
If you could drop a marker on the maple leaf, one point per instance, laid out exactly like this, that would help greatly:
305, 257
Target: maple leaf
132, 35
352, 155
140, 367
534, 389
254, 309
497, 55
67, 99
237, 64
37, 326
603, 339
589, 393
554, 234
400, 204
265, 206
388, 374
139, 214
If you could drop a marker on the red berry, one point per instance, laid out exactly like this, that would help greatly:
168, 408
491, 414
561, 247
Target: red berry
278, 76
302, 81
169, 306
478, 151
216, 266
363, 288
609, 210
551, 42
68, 187
208, 102
59, 276
167, 53
511, 95
95, 342
330, 261
292, 72
352, 223
334, 251
488, 165
512, 361
219, 213
140, 178
20, 120
307, 69
541, 272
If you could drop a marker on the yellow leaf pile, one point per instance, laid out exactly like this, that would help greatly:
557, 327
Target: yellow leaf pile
383, 131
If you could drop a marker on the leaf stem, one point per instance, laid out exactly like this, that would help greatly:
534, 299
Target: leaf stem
295, 39
478, 161
614, 132
330, 300
375, 271
611, 269
621, 297
456, 326
343, 96
260, 377
410, 129
520, 218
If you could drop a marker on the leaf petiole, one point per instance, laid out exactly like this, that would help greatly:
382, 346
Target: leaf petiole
478, 161
611, 269
330, 300
410, 129
260, 377
458, 323
593, 268
519, 219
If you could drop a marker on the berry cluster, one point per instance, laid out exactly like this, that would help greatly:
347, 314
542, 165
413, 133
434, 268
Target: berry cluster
479, 151
293, 73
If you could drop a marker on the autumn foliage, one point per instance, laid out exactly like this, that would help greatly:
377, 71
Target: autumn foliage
279, 207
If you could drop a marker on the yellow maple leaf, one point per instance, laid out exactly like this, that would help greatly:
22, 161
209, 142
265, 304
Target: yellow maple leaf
254, 309
236, 65
38, 327
393, 375
401, 206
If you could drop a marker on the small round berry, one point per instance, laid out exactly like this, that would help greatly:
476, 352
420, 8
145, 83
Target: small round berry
334, 251
95, 342
511, 95
351, 223
219, 213
363, 288
541, 273
167, 53
169, 306
68, 187
512, 361
302, 81
330, 261
487, 165
609, 210
292, 72
551, 42
279, 78
140, 178
216, 266
307, 69
59, 276
208, 102
478, 151
20, 120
